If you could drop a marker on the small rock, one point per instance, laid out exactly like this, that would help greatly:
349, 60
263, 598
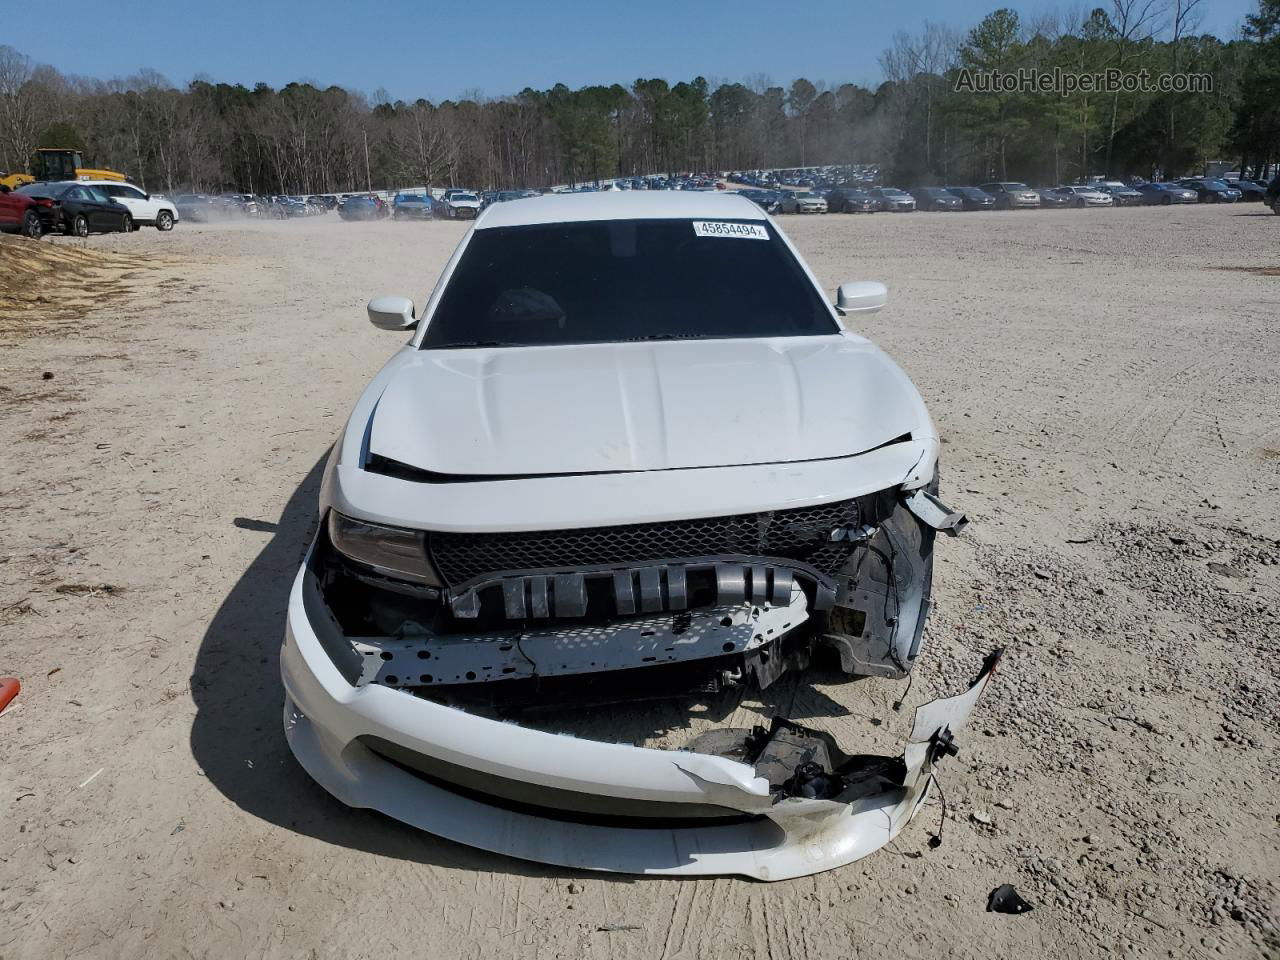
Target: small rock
46, 375
575, 887
1227, 570
982, 817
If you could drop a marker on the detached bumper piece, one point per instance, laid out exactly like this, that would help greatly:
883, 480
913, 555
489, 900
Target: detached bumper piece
936, 513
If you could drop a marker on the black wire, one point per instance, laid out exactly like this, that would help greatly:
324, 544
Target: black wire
520, 650
898, 705
936, 841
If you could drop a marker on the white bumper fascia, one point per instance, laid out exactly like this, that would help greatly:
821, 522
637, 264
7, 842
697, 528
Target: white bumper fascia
325, 715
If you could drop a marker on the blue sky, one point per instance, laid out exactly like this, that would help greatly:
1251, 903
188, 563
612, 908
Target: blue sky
441, 50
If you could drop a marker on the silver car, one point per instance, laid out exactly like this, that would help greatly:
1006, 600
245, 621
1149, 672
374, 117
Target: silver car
893, 199
1010, 195
804, 202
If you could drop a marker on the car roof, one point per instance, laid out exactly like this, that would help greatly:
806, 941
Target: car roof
619, 205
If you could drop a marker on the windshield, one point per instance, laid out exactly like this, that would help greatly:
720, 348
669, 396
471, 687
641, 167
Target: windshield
894, 192
619, 280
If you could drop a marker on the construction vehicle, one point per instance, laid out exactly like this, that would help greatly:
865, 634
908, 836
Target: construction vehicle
51, 164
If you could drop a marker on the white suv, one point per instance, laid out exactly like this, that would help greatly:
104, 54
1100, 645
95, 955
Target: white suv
630, 451
146, 209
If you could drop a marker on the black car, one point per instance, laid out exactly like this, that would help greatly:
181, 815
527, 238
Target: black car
1250, 190
766, 200
972, 198
1211, 191
412, 206
1272, 198
848, 200
936, 198
197, 208
1051, 198
363, 208
78, 209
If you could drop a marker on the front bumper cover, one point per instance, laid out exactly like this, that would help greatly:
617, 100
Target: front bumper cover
798, 807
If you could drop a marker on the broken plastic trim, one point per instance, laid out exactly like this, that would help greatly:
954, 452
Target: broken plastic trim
935, 513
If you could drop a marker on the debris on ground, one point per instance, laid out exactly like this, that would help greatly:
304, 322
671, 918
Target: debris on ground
1005, 899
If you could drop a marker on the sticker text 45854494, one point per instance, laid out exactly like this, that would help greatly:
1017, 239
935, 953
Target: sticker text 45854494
738, 231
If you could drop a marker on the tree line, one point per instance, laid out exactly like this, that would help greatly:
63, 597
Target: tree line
922, 124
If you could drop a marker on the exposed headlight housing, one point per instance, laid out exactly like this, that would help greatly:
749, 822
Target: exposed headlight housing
392, 551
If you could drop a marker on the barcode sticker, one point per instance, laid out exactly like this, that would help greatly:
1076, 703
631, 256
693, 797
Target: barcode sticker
741, 231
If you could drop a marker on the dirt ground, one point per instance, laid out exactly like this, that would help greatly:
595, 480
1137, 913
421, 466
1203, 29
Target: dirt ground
1108, 384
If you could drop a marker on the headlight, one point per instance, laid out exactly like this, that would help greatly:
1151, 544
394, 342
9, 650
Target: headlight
393, 551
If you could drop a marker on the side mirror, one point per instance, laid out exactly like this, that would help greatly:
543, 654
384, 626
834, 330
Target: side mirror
392, 313
864, 296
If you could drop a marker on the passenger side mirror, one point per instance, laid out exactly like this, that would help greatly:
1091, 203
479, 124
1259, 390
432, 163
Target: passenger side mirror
392, 313
863, 296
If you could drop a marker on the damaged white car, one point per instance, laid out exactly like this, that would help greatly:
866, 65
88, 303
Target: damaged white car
629, 452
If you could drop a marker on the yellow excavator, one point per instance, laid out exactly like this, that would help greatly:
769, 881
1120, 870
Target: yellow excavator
50, 164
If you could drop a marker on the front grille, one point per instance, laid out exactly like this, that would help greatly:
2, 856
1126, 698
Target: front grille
803, 534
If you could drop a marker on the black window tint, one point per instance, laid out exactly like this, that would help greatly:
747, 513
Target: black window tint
623, 280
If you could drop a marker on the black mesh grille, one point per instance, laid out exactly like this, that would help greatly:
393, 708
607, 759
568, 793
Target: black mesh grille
802, 534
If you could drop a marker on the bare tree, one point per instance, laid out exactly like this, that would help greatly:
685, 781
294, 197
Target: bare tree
20, 114
1134, 21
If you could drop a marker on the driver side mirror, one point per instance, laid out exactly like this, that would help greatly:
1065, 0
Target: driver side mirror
863, 296
392, 313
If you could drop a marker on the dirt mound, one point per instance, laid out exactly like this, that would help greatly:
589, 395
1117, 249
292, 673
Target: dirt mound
43, 283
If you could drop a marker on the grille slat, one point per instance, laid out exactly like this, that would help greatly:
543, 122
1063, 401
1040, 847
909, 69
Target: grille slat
801, 534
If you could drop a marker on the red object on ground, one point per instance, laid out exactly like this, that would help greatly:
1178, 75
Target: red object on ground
9, 687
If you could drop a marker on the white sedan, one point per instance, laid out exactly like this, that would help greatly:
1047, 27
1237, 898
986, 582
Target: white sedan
461, 206
145, 209
1085, 196
630, 450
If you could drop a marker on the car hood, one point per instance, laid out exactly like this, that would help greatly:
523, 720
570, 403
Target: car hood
640, 406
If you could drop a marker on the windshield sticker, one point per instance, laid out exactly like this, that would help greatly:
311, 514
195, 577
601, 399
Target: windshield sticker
742, 231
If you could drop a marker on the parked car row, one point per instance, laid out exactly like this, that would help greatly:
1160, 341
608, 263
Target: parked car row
82, 207
1005, 195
